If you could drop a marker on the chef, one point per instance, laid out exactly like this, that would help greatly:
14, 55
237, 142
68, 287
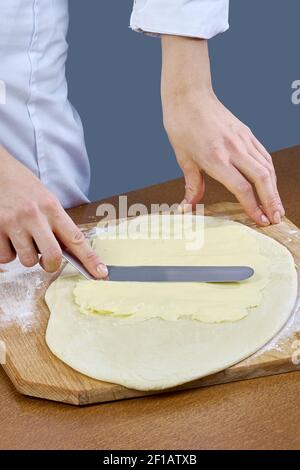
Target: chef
44, 166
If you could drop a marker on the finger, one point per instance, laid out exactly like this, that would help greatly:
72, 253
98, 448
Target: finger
260, 176
74, 240
7, 253
194, 184
255, 147
264, 156
23, 244
264, 152
269, 166
261, 150
263, 170
48, 246
237, 184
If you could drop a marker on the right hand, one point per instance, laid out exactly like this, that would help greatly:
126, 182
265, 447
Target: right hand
32, 220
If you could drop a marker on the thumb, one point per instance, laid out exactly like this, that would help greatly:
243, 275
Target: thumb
194, 185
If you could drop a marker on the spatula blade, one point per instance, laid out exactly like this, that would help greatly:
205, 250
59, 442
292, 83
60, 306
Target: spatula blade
179, 273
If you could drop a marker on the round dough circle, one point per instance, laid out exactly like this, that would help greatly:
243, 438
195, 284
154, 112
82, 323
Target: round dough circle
156, 354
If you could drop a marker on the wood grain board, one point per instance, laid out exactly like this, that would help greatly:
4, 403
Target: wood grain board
36, 372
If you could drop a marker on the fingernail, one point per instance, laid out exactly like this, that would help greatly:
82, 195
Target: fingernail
102, 269
277, 218
264, 219
282, 211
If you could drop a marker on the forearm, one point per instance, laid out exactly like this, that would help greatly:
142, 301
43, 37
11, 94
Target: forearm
9, 168
185, 67
4, 156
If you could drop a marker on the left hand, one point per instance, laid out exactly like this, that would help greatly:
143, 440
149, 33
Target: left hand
207, 137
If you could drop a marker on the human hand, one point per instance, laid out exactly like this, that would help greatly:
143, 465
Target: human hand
208, 138
32, 220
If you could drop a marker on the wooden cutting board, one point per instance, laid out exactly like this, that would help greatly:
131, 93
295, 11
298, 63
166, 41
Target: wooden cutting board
36, 372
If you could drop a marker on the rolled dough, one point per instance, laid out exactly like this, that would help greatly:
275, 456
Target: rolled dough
224, 245
154, 336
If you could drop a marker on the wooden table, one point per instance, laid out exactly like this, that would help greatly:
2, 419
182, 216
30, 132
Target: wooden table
259, 413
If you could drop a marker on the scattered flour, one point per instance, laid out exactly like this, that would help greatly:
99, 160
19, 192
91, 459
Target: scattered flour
278, 343
18, 287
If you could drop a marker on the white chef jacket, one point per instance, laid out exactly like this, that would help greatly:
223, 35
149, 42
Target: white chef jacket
38, 125
195, 18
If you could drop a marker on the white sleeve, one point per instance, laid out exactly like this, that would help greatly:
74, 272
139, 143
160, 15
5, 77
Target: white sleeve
194, 18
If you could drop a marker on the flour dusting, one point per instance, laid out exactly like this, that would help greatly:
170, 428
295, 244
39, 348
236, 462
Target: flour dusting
18, 291
278, 343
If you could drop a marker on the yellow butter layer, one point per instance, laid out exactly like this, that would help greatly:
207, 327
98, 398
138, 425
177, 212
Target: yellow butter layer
231, 244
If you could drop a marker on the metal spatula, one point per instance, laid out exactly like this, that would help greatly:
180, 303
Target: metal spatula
179, 273
168, 273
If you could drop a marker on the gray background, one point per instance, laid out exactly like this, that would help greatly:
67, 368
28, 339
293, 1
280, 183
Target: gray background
114, 79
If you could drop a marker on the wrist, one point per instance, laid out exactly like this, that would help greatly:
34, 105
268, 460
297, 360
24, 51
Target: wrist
185, 69
191, 94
